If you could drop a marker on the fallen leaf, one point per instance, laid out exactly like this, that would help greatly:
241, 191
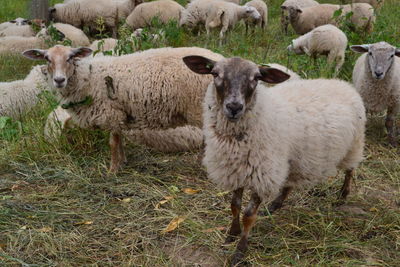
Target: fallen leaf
373, 209
84, 223
126, 200
165, 200
165, 160
173, 224
45, 229
168, 197
210, 230
190, 191
221, 194
23, 227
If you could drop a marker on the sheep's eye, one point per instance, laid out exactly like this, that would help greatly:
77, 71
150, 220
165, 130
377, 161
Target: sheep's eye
257, 77
391, 56
69, 59
370, 53
214, 74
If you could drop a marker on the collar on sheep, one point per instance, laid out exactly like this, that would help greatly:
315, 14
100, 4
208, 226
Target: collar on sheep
85, 102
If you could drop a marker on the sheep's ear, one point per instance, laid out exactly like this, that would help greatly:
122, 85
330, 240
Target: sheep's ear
272, 75
199, 64
81, 52
397, 53
52, 10
61, 35
360, 48
283, 7
35, 54
298, 10
13, 21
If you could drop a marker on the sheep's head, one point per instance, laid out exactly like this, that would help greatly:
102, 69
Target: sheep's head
60, 61
251, 12
293, 12
20, 21
235, 81
380, 57
186, 18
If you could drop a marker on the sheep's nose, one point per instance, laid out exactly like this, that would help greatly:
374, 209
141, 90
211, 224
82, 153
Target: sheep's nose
378, 74
234, 108
59, 80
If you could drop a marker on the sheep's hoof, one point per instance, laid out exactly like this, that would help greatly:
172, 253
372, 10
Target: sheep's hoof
237, 259
230, 239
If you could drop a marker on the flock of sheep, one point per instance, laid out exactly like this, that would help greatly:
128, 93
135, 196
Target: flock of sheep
258, 136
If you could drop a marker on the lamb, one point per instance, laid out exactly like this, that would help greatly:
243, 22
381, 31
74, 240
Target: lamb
262, 9
87, 12
18, 97
304, 20
271, 140
125, 93
374, 3
226, 15
165, 10
363, 16
75, 35
296, 3
323, 40
376, 78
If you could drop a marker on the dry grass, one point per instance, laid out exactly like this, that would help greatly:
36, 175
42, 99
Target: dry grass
59, 207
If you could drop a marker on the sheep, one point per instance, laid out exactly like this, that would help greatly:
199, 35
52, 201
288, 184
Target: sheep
17, 97
165, 10
323, 40
57, 121
23, 31
149, 90
262, 9
374, 3
304, 20
226, 15
194, 13
376, 78
18, 44
75, 35
297, 3
270, 140
87, 12
104, 44
363, 16
15, 22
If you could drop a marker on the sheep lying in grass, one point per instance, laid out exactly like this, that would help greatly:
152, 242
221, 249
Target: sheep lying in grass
225, 15
270, 140
15, 22
87, 12
262, 9
376, 77
164, 10
23, 31
75, 35
17, 97
295, 3
323, 40
149, 90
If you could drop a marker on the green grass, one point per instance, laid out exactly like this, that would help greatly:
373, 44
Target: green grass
59, 207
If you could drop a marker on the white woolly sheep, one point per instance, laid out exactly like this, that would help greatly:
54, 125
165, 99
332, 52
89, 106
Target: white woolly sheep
374, 3
23, 31
270, 140
15, 22
304, 20
75, 35
17, 44
150, 90
324, 40
195, 13
376, 77
226, 15
87, 12
17, 97
165, 10
296, 3
262, 9
363, 16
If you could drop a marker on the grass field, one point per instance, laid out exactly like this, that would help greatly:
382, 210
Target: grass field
59, 207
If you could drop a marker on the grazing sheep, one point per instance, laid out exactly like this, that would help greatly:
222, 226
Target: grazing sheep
270, 140
75, 35
304, 20
87, 12
297, 3
17, 97
374, 3
149, 90
376, 77
262, 9
23, 31
324, 40
195, 13
363, 16
143, 14
226, 15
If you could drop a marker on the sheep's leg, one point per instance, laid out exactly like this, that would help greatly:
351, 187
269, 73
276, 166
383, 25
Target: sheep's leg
236, 205
344, 192
249, 219
116, 153
278, 202
390, 127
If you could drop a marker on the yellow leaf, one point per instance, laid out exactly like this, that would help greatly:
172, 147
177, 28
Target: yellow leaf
173, 224
168, 197
210, 230
221, 194
23, 227
126, 200
45, 229
165, 200
190, 191
84, 223
373, 209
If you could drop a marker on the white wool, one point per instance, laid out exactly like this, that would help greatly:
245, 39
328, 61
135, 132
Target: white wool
17, 97
14, 30
297, 133
262, 9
